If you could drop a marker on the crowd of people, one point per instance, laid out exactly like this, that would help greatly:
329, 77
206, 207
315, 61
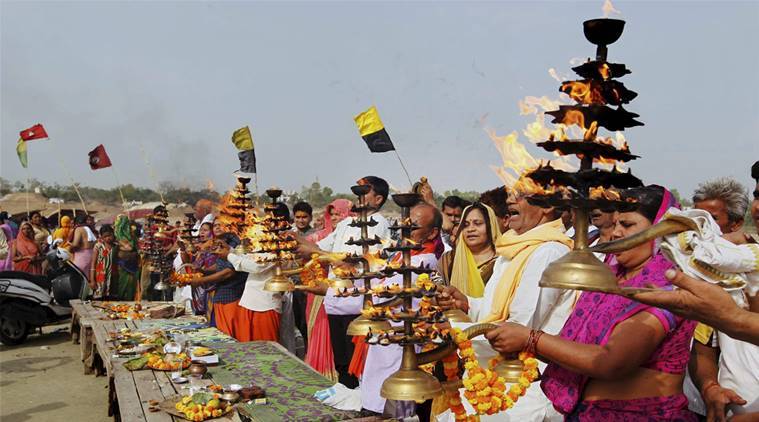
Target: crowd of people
683, 354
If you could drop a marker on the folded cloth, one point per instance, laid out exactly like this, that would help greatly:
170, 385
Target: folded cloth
340, 397
703, 253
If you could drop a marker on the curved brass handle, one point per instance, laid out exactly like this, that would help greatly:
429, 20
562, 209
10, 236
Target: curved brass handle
479, 329
661, 229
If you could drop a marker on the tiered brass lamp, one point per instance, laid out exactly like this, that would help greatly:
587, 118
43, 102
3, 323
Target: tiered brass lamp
280, 281
596, 96
362, 325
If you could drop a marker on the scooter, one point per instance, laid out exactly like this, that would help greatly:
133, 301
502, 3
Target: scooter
29, 301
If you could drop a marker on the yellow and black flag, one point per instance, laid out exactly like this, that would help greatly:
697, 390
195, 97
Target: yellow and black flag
243, 141
373, 132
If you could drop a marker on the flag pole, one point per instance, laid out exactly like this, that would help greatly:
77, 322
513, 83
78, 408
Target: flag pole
118, 185
27, 192
151, 172
68, 173
411, 184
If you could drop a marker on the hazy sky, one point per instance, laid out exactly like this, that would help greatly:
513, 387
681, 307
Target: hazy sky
177, 78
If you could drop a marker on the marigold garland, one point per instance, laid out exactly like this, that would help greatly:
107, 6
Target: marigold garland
483, 388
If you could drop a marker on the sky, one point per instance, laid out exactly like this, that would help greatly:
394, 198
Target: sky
166, 84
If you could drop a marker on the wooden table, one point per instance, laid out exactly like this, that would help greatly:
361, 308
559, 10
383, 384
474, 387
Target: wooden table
83, 316
130, 391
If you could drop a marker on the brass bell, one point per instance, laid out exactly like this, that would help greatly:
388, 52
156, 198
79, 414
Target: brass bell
362, 325
456, 315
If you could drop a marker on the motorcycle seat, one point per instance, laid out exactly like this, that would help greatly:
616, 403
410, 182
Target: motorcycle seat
39, 280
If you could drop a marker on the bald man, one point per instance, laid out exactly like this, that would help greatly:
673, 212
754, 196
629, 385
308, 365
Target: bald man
383, 361
203, 214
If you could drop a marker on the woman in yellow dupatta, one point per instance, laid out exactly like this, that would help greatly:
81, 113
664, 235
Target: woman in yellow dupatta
470, 265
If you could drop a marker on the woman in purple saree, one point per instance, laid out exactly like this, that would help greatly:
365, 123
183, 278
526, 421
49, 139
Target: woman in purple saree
616, 359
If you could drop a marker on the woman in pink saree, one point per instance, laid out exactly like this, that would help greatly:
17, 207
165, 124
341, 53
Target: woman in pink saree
319, 352
616, 359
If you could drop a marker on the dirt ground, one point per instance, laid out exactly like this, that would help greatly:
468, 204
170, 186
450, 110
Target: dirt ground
43, 380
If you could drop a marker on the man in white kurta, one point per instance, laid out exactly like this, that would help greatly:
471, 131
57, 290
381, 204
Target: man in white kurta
383, 361
532, 306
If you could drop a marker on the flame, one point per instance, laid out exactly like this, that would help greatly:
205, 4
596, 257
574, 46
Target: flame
333, 257
375, 262
516, 159
604, 70
621, 142
554, 74
601, 193
608, 9
341, 272
527, 186
574, 117
584, 92
530, 105
590, 134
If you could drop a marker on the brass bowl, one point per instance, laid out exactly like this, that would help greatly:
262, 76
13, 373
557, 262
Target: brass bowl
197, 368
230, 396
603, 31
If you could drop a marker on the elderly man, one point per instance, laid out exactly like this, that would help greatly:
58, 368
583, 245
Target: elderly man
536, 238
726, 200
203, 214
383, 361
722, 368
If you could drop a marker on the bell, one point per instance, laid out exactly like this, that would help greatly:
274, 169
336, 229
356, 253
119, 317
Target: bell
362, 325
511, 370
411, 384
162, 285
579, 270
456, 315
278, 283
340, 283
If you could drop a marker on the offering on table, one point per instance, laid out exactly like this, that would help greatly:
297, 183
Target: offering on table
202, 351
167, 362
202, 406
123, 311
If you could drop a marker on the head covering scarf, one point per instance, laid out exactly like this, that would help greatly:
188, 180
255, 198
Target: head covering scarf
26, 246
465, 274
62, 232
592, 322
122, 230
343, 208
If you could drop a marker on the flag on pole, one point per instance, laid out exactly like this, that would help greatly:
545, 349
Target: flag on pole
99, 158
35, 132
243, 141
373, 132
21, 151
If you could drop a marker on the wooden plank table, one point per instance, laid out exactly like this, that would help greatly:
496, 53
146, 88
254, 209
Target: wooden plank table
130, 392
83, 315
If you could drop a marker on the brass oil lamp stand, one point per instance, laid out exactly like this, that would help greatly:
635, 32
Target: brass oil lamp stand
589, 187
282, 247
233, 214
363, 325
410, 382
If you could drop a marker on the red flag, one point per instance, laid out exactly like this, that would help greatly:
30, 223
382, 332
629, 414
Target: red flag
34, 132
99, 158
